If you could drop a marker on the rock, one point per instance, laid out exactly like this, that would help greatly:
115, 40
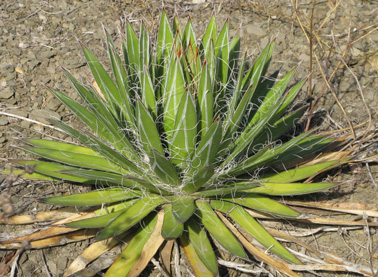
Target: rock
6, 67
6, 92
254, 30
25, 124
45, 53
53, 104
51, 69
43, 114
32, 64
304, 57
18, 112
4, 121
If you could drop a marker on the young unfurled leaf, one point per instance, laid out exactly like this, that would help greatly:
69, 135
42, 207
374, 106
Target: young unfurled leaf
184, 133
182, 208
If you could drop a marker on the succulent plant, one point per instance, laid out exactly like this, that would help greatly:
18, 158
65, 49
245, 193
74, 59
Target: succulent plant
183, 142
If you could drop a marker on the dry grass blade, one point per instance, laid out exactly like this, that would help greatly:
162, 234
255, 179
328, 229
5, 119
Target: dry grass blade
328, 267
50, 232
318, 220
351, 208
279, 234
166, 255
281, 267
91, 253
40, 217
331, 263
52, 241
150, 247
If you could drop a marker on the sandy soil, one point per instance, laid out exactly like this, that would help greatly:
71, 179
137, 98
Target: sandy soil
37, 38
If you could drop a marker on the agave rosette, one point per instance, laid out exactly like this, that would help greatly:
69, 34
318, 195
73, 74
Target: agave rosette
179, 135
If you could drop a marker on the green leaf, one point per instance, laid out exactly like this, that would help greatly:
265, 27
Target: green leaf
300, 173
222, 53
164, 47
243, 142
163, 168
233, 58
236, 95
76, 159
89, 118
144, 47
263, 204
132, 43
198, 179
147, 129
205, 100
133, 251
115, 179
209, 37
200, 170
251, 226
198, 239
148, 94
103, 220
100, 120
207, 149
199, 268
105, 83
171, 227
218, 230
33, 176
290, 188
57, 145
165, 38
289, 98
98, 146
173, 92
226, 190
270, 156
121, 78
254, 75
184, 134
51, 170
131, 216
176, 26
277, 129
272, 98
183, 208
93, 198
188, 37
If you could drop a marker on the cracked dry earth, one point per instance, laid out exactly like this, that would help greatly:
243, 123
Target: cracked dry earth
38, 37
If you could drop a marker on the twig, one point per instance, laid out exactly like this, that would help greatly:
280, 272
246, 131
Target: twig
310, 98
14, 263
369, 246
359, 89
177, 260
371, 175
246, 268
158, 266
31, 120
44, 264
30, 15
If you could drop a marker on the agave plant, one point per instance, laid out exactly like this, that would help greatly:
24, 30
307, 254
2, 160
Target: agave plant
184, 141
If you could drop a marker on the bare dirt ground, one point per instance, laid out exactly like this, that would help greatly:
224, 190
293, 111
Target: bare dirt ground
38, 37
